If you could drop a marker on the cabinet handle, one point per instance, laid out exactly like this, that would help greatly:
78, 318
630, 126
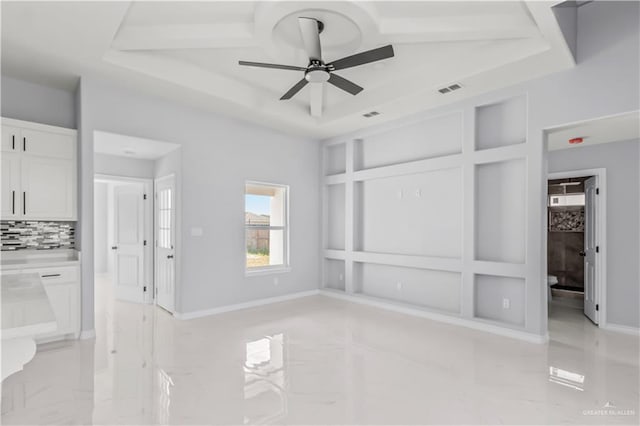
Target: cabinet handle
114, 247
24, 143
170, 256
13, 202
50, 275
13, 142
24, 202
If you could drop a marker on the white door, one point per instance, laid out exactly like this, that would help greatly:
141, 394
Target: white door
128, 240
590, 243
48, 189
11, 195
165, 242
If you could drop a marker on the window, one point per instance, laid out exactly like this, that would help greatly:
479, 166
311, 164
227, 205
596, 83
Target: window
266, 226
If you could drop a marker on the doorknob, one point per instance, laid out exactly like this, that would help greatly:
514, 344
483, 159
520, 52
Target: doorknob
114, 247
170, 256
583, 254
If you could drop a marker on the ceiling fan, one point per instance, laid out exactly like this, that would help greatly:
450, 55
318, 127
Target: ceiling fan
318, 72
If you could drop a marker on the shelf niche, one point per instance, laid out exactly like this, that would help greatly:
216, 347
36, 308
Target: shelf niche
436, 290
434, 137
418, 214
501, 124
490, 293
334, 272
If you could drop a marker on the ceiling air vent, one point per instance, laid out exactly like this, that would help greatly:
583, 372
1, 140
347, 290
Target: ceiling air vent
451, 88
371, 114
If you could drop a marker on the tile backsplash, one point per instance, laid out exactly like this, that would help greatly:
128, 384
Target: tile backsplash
38, 235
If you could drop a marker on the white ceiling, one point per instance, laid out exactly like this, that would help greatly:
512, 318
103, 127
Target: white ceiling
191, 49
616, 128
130, 146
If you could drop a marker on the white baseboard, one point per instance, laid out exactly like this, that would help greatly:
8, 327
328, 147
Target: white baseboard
87, 334
476, 325
245, 305
634, 331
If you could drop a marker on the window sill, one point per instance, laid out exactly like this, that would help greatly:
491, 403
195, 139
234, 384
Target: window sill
266, 271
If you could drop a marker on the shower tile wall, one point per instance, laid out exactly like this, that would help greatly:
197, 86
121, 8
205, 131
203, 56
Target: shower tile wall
18, 235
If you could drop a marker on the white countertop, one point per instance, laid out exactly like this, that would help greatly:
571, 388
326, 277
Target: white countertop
38, 259
26, 310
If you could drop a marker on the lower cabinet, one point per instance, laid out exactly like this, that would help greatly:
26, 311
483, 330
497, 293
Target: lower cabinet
62, 285
63, 288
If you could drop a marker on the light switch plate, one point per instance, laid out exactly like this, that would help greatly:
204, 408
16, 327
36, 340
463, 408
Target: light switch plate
197, 232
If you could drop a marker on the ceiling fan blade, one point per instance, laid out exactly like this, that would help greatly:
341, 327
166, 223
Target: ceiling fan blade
315, 99
344, 84
310, 34
363, 58
276, 66
295, 89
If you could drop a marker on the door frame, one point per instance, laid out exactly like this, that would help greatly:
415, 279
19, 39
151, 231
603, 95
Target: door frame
601, 235
176, 235
149, 259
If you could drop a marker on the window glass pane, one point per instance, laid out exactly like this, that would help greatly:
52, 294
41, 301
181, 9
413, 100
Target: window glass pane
257, 209
265, 207
264, 247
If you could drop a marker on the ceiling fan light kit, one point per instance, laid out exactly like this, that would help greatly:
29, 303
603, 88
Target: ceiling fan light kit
318, 72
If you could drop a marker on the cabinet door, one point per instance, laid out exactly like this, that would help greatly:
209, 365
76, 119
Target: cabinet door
48, 188
46, 144
10, 139
62, 299
11, 202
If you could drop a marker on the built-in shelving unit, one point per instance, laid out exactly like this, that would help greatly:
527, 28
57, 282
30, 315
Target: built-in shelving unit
432, 214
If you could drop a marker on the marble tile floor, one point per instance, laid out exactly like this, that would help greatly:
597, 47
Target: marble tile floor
323, 361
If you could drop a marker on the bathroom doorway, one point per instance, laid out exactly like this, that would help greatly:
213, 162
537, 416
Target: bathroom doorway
575, 232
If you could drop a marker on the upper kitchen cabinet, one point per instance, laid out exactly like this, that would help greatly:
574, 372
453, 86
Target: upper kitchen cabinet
39, 172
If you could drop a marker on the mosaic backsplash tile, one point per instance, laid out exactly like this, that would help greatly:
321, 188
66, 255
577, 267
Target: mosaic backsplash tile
18, 235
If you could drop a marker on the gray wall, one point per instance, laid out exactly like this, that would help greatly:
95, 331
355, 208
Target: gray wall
32, 102
604, 82
122, 166
217, 156
623, 219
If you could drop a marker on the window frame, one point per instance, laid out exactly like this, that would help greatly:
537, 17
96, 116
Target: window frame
270, 269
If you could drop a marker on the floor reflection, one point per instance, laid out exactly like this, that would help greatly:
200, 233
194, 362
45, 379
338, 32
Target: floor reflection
323, 361
265, 398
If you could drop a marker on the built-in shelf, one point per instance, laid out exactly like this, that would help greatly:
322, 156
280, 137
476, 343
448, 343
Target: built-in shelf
502, 123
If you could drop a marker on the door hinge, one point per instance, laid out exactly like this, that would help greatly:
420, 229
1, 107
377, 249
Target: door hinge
144, 289
156, 291
597, 191
144, 196
597, 307
597, 249
144, 243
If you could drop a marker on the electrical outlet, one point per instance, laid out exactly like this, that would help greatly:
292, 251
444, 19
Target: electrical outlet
341, 277
276, 281
418, 193
506, 303
400, 194
399, 285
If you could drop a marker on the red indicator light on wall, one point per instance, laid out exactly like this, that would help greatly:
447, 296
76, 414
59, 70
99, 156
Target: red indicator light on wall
575, 141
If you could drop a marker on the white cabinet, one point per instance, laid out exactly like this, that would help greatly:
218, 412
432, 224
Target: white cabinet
47, 188
62, 284
39, 172
10, 138
10, 202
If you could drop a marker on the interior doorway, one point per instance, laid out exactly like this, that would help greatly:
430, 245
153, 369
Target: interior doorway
136, 220
165, 237
573, 241
123, 232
